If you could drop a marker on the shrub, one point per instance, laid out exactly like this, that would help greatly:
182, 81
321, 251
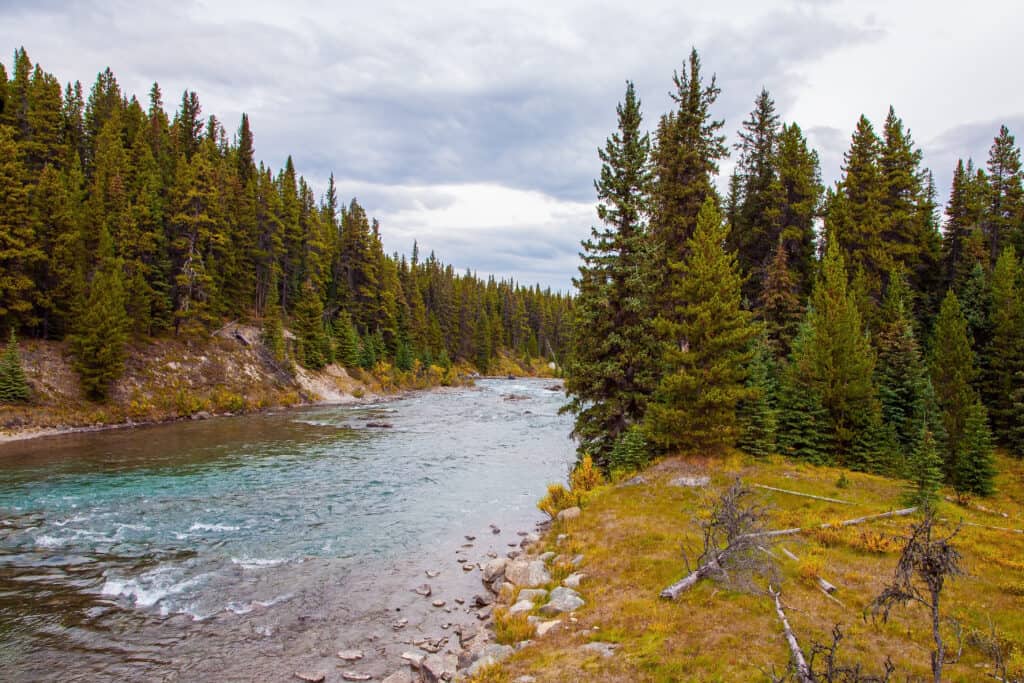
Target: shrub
585, 477
558, 498
631, 451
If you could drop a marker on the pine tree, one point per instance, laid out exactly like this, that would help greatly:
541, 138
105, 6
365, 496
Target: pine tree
14, 386
904, 219
614, 362
835, 362
707, 346
272, 334
98, 343
1004, 353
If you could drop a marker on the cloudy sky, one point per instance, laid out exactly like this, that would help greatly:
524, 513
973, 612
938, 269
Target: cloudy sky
473, 127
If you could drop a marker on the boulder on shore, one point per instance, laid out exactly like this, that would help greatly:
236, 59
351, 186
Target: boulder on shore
527, 573
568, 513
562, 600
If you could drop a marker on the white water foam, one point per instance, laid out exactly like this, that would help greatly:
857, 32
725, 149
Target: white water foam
200, 526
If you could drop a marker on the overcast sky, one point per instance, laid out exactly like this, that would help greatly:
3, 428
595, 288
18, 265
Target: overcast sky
473, 127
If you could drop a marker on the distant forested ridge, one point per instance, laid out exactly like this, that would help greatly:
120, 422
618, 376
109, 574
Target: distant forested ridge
118, 221
858, 325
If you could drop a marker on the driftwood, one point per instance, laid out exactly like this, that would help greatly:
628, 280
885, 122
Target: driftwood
985, 526
713, 560
804, 495
827, 588
849, 522
803, 672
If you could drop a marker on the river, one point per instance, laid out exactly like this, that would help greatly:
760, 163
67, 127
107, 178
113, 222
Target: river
248, 548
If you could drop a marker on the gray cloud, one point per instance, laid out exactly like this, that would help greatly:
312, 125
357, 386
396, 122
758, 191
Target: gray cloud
390, 95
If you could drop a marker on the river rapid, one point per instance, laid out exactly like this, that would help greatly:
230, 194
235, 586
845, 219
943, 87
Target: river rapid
249, 548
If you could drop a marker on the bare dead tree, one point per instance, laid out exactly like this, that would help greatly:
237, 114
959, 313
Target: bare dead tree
823, 665
733, 540
921, 573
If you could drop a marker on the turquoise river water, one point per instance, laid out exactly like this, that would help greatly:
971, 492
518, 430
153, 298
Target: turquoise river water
248, 548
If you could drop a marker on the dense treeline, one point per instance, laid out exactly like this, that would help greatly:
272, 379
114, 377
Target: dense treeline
119, 222
847, 325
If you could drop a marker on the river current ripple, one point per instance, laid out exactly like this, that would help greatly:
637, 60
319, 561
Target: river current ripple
248, 548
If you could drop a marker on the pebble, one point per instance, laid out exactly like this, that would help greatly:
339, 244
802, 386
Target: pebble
470, 538
353, 676
431, 574
438, 603
311, 676
351, 655
424, 590
468, 567
400, 624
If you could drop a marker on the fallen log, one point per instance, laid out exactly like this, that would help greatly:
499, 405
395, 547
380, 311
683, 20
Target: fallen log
803, 672
985, 526
804, 495
689, 581
849, 522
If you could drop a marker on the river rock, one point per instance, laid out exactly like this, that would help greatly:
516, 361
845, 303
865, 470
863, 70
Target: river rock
402, 676
529, 539
691, 482
415, 659
468, 567
546, 627
311, 676
562, 600
546, 557
527, 574
482, 600
533, 594
573, 580
424, 590
521, 607
350, 655
492, 654
353, 676
494, 569
603, 649
437, 668
568, 513
438, 603
433, 573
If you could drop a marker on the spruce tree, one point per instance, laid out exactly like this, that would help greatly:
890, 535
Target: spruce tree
346, 341
14, 386
757, 414
780, 306
685, 159
802, 422
100, 336
835, 362
614, 364
19, 253
953, 370
1005, 194
925, 472
1004, 353
799, 179
313, 346
272, 335
706, 346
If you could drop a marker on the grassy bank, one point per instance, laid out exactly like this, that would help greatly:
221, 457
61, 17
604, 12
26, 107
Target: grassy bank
632, 536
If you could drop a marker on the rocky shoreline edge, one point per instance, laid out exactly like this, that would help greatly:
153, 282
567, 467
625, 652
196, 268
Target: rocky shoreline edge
544, 586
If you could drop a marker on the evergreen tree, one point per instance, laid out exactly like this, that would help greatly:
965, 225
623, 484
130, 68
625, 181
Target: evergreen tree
1004, 353
905, 219
14, 386
904, 391
346, 341
313, 346
799, 180
953, 370
925, 472
780, 306
272, 334
835, 362
614, 361
19, 252
961, 223
973, 468
1005, 193
101, 330
707, 344
685, 159
802, 421
757, 415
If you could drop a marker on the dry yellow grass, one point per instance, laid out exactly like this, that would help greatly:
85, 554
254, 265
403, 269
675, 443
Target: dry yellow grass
632, 538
